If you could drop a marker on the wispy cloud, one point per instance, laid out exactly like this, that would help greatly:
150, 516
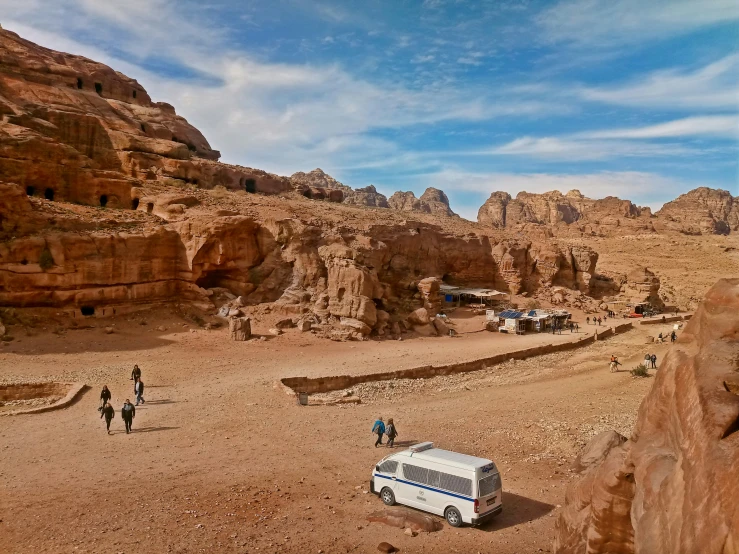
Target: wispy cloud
583, 149
726, 126
608, 23
714, 86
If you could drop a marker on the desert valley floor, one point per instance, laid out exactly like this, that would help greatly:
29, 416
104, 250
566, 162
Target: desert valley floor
222, 459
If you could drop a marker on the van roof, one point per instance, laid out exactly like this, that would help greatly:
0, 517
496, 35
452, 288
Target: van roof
447, 457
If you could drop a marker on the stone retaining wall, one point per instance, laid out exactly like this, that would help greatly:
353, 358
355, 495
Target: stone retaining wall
74, 392
311, 385
670, 319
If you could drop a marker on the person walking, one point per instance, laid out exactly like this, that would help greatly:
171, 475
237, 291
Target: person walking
107, 412
572, 327
379, 428
391, 433
647, 360
138, 389
105, 396
128, 412
653, 359
136, 373
577, 327
587, 320
673, 336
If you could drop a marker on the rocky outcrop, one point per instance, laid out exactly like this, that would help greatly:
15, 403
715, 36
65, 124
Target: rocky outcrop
564, 214
642, 285
74, 129
672, 486
432, 201
318, 179
702, 211
367, 196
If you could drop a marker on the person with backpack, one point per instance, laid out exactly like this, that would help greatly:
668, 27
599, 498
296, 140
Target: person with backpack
136, 373
105, 396
391, 433
138, 389
379, 428
108, 412
128, 412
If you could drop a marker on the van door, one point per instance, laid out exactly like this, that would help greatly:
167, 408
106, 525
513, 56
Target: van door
386, 476
489, 490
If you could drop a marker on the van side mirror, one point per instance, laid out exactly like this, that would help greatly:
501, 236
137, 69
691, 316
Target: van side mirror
377, 468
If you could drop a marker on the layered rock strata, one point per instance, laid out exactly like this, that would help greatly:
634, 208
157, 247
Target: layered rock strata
432, 201
74, 129
702, 211
672, 487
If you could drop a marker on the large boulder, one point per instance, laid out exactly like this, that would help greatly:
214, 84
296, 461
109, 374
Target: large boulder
672, 487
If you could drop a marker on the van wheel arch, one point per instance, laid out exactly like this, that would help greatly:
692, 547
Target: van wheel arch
453, 516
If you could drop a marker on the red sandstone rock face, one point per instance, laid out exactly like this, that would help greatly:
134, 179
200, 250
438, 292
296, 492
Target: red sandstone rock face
318, 179
672, 487
432, 201
367, 196
571, 213
702, 211
74, 129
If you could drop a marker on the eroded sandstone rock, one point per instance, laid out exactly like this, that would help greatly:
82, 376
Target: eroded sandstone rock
671, 488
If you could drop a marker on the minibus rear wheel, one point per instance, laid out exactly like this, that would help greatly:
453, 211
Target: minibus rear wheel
387, 496
453, 517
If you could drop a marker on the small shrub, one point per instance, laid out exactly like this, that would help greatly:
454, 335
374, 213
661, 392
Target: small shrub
46, 260
219, 191
640, 371
532, 304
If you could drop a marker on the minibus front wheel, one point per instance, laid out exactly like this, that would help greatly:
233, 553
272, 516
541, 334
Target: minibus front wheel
453, 517
387, 496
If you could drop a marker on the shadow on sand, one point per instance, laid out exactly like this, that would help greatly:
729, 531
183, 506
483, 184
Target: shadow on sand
517, 509
152, 429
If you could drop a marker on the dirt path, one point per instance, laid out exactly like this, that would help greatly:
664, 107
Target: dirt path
221, 461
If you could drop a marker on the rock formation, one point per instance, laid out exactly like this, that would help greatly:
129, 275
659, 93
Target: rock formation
672, 487
702, 211
75, 134
570, 213
432, 201
74, 129
367, 196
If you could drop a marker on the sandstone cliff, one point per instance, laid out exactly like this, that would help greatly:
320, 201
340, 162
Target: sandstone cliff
564, 214
76, 134
672, 487
702, 211
432, 201
74, 129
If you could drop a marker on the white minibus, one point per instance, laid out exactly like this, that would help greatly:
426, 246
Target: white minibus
462, 488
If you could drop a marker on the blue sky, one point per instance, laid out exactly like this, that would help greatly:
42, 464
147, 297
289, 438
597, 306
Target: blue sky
626, 98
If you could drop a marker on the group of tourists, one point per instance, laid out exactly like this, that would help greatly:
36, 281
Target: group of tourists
596, 320
128, 410
650, 361
380, 429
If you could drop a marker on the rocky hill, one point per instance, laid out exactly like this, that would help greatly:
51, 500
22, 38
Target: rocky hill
74, 129
564, 214
672, 486
432, 201
702, 211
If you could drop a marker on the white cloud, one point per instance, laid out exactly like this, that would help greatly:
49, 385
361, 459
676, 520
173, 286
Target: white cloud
574, 149
467, 60
726, 126
714, 86
605, 23
420, 58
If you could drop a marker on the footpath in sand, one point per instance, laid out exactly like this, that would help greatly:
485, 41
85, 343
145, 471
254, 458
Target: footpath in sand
222, 461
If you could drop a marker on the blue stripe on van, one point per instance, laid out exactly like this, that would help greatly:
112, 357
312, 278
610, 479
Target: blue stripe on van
426, 487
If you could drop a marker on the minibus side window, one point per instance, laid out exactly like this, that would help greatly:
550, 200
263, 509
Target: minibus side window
388, 466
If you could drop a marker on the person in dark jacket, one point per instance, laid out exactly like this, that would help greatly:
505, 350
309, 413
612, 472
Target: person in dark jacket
391, 433
138, 389
105, 396
128, 412
108, 412
653, 359
136, 373
379, 428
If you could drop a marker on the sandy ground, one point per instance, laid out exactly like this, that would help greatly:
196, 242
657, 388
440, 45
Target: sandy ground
221, 460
